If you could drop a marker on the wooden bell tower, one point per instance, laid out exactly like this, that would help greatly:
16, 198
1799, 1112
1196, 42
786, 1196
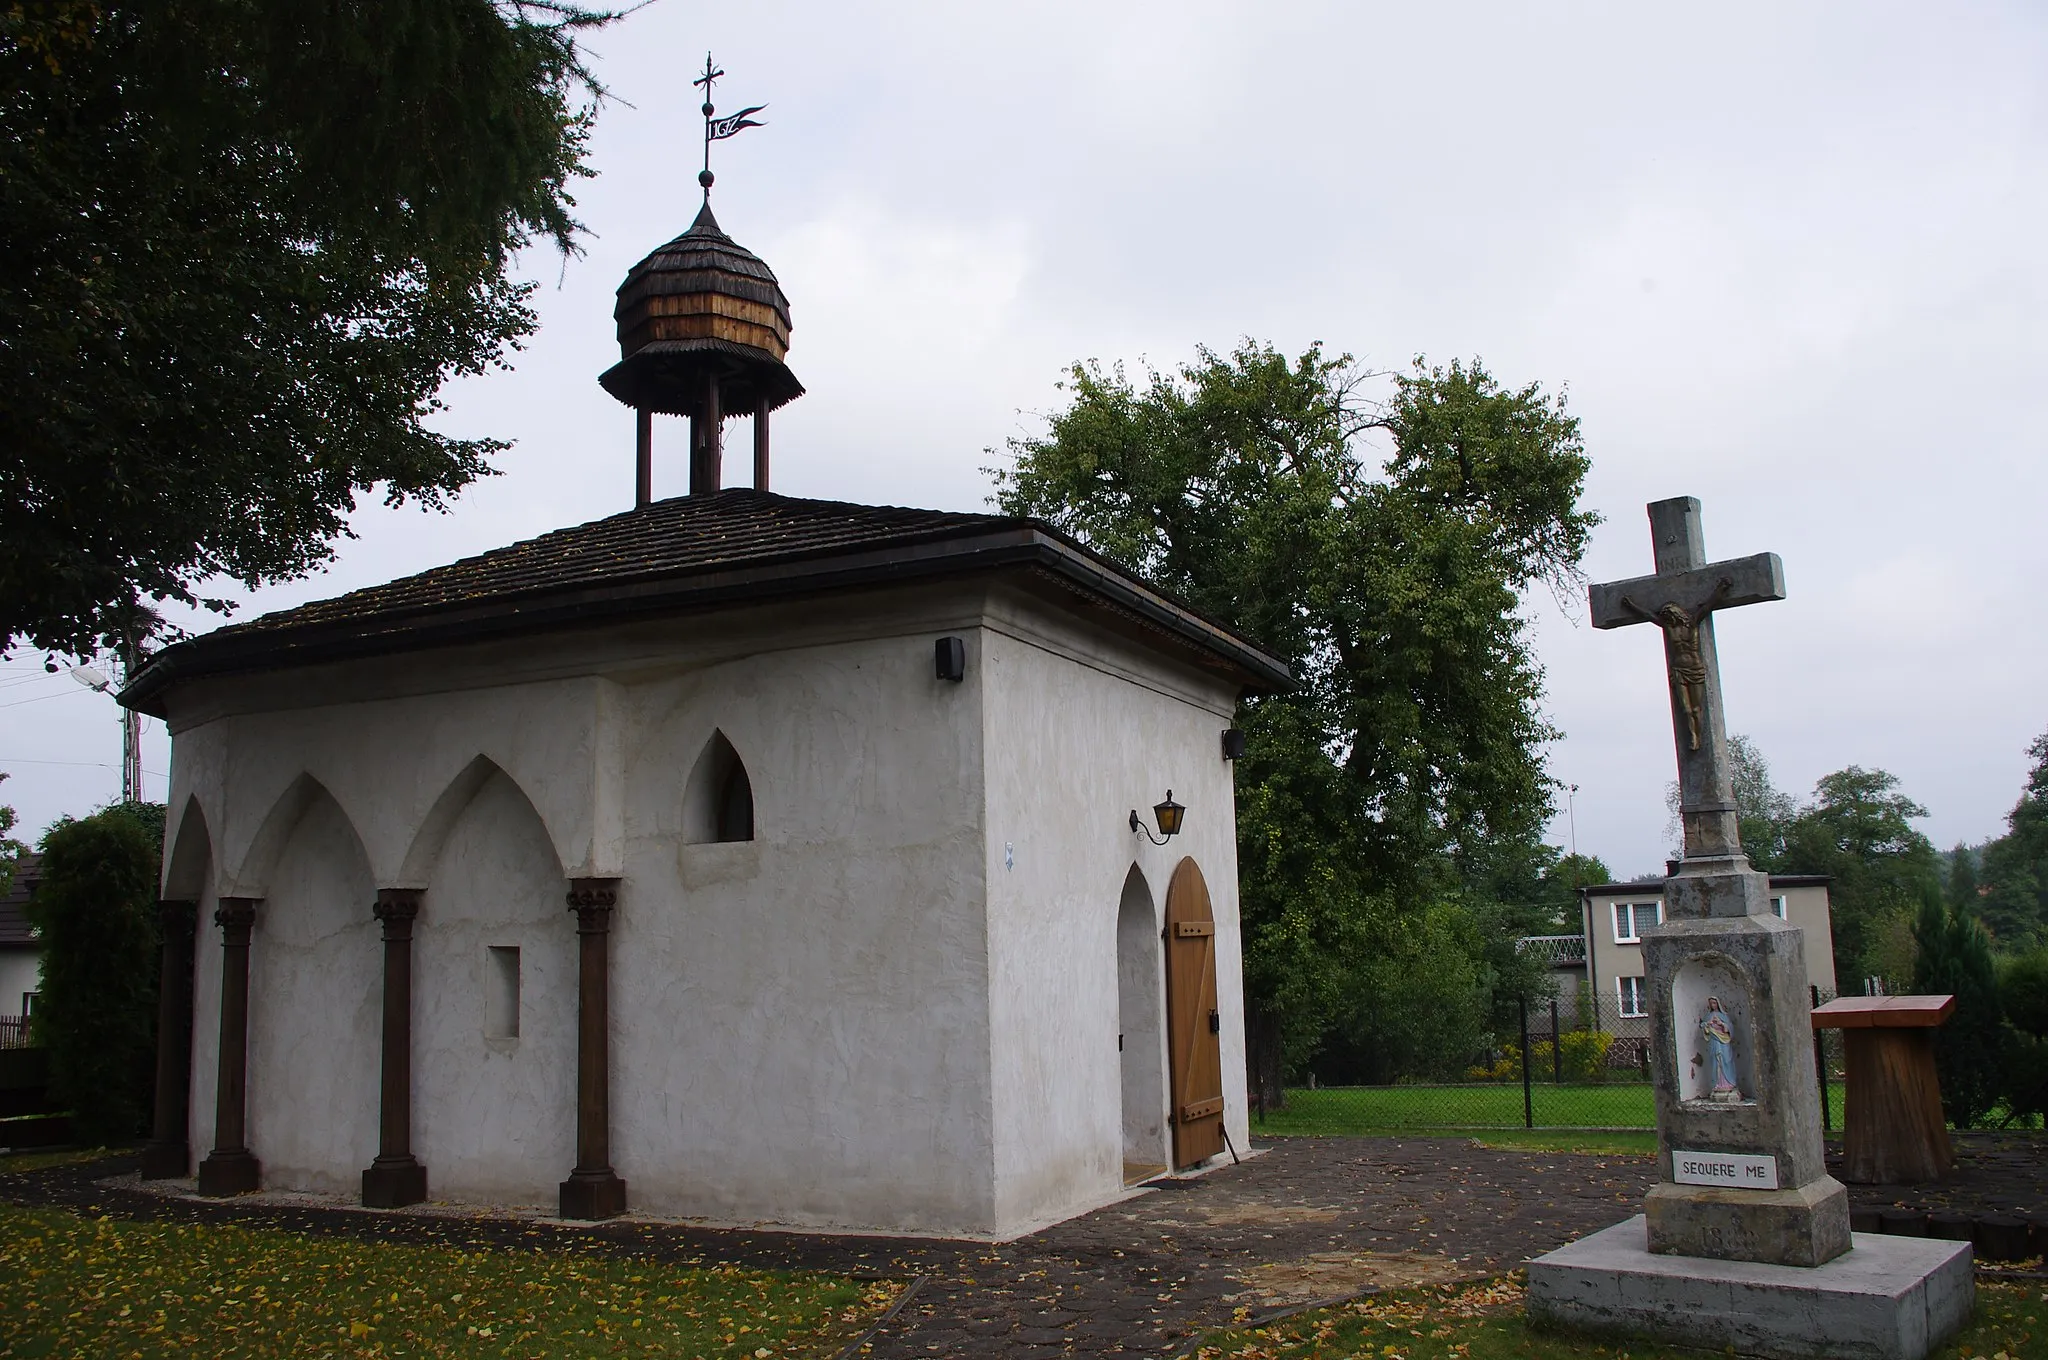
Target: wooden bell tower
703, 329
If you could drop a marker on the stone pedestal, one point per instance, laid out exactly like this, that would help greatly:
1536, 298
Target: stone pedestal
1722, 954
1745, 1243
1892, 1298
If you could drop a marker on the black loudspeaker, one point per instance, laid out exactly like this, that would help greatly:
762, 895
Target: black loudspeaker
1233, 742
949, 659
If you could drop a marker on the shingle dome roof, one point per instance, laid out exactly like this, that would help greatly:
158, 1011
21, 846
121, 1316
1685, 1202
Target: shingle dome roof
690, 554
702, 303
703, 259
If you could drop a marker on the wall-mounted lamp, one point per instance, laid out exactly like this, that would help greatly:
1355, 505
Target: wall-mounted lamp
1233, 742
949, 659
1167, 814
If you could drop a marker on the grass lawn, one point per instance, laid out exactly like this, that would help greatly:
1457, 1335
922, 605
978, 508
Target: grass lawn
42, 1159
1597, 1142
1471, 1106
1484, 1322
79, 1287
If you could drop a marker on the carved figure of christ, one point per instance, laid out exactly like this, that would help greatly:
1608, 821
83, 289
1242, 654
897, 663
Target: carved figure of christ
1681, 599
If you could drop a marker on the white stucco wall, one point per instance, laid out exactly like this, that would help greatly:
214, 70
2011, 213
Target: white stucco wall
1081, 730
860, 1018
21, 971
494, 1118
799, 1027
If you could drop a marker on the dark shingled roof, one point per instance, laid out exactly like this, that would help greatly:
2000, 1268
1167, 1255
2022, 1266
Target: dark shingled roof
14, 927
690, 553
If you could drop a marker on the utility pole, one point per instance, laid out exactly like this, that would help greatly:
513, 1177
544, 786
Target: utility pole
131, 725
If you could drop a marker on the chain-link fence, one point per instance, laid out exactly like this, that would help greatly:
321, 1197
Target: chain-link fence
1588, 1068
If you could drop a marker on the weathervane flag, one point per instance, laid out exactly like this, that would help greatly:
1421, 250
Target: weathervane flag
720, 128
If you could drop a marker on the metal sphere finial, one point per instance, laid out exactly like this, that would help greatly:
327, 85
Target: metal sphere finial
718, 129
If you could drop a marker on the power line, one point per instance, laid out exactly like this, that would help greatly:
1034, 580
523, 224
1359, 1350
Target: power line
62, 694
82, 764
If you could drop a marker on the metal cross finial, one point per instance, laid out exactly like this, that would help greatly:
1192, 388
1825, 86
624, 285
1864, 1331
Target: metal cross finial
718, 129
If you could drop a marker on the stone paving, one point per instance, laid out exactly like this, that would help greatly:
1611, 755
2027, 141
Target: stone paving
1309, 1219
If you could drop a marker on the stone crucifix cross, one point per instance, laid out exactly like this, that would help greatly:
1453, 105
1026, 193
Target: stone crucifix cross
1681, 599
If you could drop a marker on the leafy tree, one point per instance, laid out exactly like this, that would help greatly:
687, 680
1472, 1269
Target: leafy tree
1955, 958
96, 1012
2015, 898
1859, 831
247, 242
2023, 991
1960, 891
11, 850
1558, 890
1380, 548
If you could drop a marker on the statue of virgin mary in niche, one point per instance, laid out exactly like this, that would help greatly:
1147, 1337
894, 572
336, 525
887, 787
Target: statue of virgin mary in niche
1720, 1037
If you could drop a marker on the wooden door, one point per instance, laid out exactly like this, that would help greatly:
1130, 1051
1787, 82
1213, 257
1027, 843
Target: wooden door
1193, 1025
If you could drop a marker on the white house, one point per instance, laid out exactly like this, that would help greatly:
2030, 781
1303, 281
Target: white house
1616, 914
21, 953
737, 857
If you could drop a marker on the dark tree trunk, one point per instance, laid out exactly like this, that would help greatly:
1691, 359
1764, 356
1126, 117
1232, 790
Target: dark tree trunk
1262, 1057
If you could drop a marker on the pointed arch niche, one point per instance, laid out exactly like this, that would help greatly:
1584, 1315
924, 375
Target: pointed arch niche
1141, 1038
718, 801
314, 989
494, 999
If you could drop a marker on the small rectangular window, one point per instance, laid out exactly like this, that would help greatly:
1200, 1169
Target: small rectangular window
501, 992
1631, 990
1631, 919
1778, 907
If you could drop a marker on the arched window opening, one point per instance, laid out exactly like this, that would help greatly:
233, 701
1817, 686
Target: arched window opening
718, 804
736, 805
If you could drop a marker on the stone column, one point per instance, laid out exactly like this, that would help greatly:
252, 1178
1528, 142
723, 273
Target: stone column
169, 1151
230, 1169
396, 1178
593, 1190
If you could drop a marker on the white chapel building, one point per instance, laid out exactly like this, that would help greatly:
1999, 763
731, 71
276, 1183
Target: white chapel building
737, 857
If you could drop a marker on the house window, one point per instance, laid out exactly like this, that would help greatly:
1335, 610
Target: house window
1631, 919
1632, 998
1778, 907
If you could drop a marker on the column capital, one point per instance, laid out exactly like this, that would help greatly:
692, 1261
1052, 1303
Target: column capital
396, 908
234, 915
592, 900
178, 919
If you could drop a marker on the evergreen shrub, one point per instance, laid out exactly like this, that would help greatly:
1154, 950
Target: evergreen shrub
96, 1012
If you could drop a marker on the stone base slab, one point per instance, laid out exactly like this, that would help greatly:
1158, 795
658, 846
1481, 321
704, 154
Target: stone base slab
1807, 1226
394, 1184
1890, 1298
234, 1171
593, 1195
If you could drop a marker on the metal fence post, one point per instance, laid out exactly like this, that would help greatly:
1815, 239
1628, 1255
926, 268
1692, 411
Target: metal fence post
1820, 1062
1528, 1098
1556, 1048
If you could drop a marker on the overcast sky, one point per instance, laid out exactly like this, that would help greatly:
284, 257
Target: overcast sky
1784, 258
